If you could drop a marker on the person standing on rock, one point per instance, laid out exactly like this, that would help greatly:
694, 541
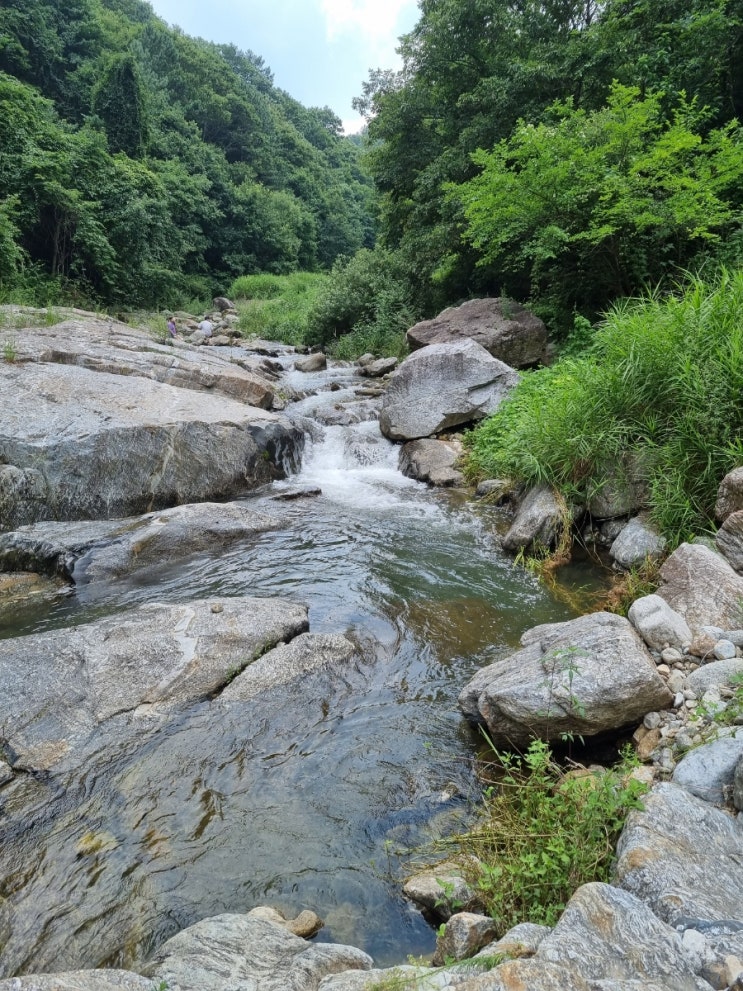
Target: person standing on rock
172, 329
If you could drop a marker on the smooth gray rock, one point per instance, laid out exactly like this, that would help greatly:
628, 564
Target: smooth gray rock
503, 327
80, 980
714, 674
637, 543
102, 345
98, 550
729, 539
313, 363
708, 771
443, 386
539, 521
245, 953
57, 687
582, 677
730, 494
287, 662
442, 890
682, 857
77, 444
658, 624
432, 461
702, 587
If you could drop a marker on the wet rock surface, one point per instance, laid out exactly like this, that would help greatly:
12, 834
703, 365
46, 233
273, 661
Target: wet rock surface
88, 550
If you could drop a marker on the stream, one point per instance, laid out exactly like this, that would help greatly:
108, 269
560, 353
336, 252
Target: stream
323, 796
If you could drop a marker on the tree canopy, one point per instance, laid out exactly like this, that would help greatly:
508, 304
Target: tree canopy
138, 164
496, 147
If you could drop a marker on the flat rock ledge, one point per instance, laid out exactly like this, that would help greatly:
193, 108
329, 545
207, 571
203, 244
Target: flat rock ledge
56, 688
102, 446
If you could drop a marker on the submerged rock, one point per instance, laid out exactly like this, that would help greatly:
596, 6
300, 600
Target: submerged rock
99, 550
57, 687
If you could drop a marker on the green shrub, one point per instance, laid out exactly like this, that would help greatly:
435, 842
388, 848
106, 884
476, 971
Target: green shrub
367, 294
543, 833
277, 306
661, 383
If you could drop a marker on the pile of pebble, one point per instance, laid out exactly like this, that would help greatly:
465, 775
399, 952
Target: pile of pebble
704, 704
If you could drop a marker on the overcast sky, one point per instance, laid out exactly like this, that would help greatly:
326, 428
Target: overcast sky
320, 51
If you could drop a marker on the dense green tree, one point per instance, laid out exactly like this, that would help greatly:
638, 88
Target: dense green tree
138, 161
473, 71
119, 100
596, 204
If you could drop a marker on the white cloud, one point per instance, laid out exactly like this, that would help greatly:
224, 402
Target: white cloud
377, 19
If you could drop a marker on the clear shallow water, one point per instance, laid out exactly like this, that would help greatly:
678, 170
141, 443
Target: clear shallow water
317, 798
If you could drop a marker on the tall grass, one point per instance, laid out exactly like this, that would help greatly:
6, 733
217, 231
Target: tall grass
276, 306
661, 387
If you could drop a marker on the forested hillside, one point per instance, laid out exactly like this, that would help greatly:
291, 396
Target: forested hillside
566, 152
141, 166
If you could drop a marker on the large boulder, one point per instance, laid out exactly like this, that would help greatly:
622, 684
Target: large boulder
289, 661
703, 588
57, 687
540, 519
441, 387
76, 444
97, 550
581, 677
682, 857
730, 494
104, 345
504, 328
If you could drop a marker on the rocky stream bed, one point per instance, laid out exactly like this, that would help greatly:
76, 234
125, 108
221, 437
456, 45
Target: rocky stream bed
210, 722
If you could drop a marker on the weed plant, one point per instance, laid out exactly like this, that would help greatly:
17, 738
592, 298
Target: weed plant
277, 306
543, 833
660, 386
10, 352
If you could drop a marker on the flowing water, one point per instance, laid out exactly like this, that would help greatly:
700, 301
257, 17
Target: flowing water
321, 797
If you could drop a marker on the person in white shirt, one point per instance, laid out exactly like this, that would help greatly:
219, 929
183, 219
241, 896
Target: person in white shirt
206, 327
